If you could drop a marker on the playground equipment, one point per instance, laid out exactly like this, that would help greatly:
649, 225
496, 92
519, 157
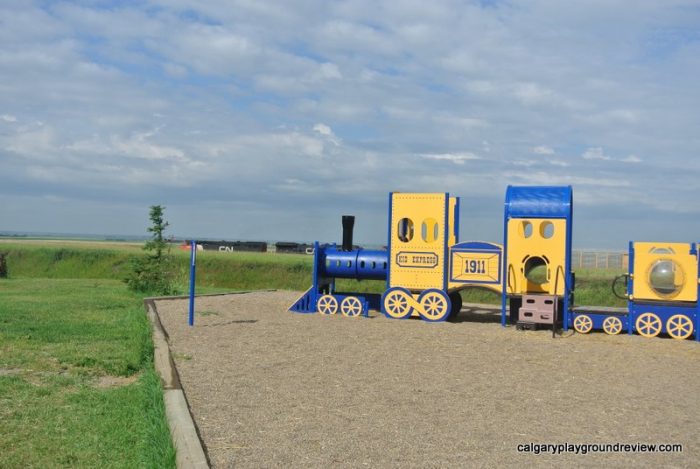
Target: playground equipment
662, 288
425, 267
331, 263
537, 232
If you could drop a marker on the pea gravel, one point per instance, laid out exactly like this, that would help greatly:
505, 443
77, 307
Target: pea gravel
269, 388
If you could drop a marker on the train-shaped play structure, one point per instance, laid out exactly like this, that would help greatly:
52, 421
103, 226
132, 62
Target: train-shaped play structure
425, 266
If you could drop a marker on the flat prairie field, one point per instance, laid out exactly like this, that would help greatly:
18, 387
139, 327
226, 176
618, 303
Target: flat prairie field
272, 388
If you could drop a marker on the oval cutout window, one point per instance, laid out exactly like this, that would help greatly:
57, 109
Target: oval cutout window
525, 229
546, 229
429, 230
404, 230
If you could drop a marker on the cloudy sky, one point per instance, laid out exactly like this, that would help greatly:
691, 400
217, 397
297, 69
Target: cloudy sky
252, 119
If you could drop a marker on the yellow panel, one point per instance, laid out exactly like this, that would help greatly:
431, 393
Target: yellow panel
684, 274
545, 242
418, 240
476, 267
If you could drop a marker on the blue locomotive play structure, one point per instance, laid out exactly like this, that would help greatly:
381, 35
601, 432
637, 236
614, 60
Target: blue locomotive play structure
424, 266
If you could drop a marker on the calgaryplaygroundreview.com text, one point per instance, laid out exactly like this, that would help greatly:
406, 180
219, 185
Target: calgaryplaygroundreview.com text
588, 448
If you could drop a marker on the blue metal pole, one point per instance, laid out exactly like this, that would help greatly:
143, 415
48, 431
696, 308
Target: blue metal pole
193, 269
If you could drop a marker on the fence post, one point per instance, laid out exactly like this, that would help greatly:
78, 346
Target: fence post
193, 270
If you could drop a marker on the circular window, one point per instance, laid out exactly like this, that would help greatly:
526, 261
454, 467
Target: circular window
429, 230
546, 229
666, 278
525, 229
536, 270
405, 230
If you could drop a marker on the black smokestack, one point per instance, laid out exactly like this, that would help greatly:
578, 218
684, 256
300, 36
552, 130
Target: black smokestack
348, 224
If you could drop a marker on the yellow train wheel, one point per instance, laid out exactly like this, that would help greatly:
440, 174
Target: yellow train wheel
436, 305
679, 326
396, 303
351, 306
648, 325
327, 304
612, 325
583, 324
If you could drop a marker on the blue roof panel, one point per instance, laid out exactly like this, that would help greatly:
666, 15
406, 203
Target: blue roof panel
539, 201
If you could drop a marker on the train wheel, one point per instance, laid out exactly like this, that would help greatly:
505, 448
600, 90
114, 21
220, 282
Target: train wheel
351, 306
396, 303
612, 325
583, 324
648, 325
679, 326
327, 304
436, 305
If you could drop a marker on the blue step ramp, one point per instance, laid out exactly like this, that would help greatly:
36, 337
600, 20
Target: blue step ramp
306, 302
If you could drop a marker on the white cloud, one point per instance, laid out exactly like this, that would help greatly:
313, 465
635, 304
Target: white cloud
525, 163
559, 163
543, 150
327, 132
632, 159
595, 153
456, 158
329, 71
323, 129
531, 93
8, 118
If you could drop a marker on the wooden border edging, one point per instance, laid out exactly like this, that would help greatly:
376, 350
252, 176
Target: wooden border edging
190, 452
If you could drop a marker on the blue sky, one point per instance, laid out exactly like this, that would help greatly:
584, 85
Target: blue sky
269, 120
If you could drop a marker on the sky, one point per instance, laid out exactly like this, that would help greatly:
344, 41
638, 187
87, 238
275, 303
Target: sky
262, 120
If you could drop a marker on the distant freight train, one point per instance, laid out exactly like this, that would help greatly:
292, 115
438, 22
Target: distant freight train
252, 246
229, 246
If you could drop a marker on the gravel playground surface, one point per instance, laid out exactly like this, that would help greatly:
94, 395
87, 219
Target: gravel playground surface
272, 388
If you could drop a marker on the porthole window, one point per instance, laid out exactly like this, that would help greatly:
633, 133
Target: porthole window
666, 278
525, 229
405, 230
429, 230
546, 229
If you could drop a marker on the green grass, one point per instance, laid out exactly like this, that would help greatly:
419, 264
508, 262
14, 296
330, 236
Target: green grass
59, 340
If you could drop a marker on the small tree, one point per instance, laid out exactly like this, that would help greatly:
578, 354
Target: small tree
153, 273
157, 244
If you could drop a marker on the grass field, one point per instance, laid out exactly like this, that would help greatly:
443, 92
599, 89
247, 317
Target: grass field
77, 384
